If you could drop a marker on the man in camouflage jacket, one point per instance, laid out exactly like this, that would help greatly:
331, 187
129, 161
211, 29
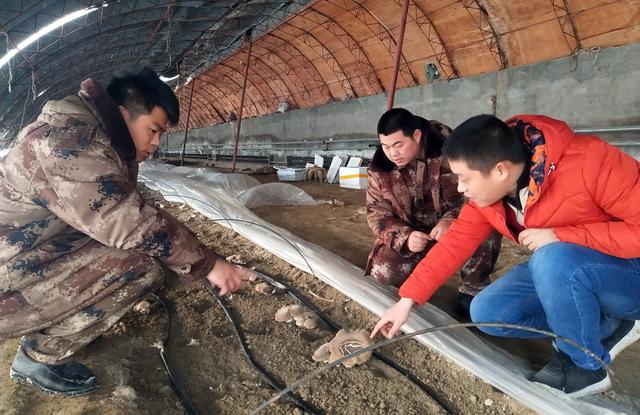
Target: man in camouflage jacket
78, 244
411, 202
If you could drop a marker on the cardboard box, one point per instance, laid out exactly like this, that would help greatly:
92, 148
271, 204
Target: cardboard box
353, 177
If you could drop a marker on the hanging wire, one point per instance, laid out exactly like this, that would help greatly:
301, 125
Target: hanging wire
24, 109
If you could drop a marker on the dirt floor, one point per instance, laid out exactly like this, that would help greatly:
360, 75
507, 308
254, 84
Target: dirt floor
205, 353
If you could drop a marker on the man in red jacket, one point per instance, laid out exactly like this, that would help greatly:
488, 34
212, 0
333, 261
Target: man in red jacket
574, 201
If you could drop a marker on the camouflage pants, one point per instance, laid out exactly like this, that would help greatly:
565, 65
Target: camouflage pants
391, 268
68, 291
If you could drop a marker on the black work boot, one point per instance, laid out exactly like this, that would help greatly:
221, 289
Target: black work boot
581, 382
65, 379
553, 373
562, 374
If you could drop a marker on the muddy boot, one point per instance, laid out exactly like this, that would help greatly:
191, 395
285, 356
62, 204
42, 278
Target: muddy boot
65, 379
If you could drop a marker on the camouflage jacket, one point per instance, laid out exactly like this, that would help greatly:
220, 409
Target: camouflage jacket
74, 169
415, 197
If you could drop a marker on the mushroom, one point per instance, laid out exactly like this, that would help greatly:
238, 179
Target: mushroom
310, 323
264, 288
143, 307
344, 343
322, 354
298, 313
284, 314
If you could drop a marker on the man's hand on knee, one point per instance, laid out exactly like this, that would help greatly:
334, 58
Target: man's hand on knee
534, 238
228, 277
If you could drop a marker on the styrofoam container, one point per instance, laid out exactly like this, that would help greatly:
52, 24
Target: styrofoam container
353, 177
290, 174
336, 163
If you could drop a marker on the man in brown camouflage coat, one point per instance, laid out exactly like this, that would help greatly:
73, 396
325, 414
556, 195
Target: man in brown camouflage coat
412, 199
78, 244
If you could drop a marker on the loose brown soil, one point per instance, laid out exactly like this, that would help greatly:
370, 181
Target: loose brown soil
205, 353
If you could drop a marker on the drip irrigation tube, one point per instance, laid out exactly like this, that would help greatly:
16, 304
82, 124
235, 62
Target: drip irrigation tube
335, 327
176, 383
268, 377
295, 294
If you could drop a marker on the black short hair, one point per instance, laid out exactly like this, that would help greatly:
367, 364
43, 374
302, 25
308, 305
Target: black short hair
139, 90
397, 119
483, 141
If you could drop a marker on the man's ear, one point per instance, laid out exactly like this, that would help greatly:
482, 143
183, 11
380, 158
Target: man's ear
124, 112
417, 135
502, 171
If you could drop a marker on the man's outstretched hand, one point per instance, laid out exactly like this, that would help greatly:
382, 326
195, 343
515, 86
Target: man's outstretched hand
392, 319
228, 277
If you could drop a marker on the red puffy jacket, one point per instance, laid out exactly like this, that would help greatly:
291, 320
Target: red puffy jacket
590, 196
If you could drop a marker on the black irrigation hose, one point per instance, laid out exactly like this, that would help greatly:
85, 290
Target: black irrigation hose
406, 336
432, 393
295, 294
176, 383
373, 347
268, 377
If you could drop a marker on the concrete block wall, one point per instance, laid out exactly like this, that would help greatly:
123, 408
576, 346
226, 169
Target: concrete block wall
594, 88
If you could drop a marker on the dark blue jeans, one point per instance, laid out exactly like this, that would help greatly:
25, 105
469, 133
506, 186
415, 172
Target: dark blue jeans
567, 289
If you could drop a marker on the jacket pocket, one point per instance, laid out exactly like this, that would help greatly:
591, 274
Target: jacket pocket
64, 244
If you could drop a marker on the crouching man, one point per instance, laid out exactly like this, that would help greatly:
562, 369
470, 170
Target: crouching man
78, 245
574, 201
411, 202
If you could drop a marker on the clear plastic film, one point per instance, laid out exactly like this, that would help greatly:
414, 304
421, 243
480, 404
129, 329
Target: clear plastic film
244, 188
275, 194
461, 346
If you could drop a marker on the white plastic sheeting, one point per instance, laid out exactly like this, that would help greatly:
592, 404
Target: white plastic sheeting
275, 194
486, 361
246, 189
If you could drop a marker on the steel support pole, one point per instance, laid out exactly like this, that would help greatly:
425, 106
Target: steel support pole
244, 88
186, 130
396, 64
